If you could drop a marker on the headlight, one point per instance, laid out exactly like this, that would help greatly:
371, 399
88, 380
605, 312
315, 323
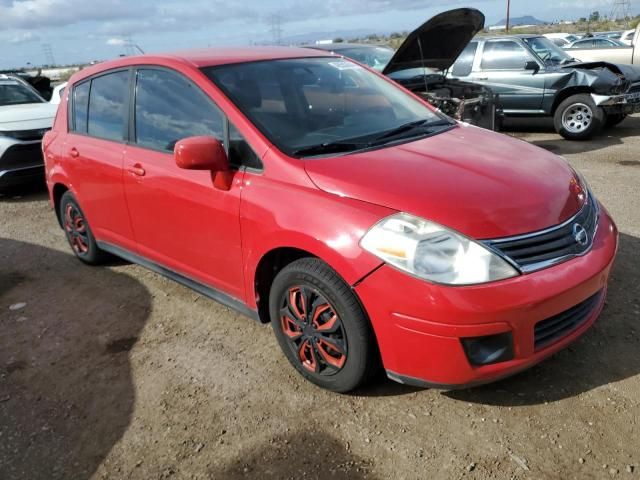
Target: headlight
433, 252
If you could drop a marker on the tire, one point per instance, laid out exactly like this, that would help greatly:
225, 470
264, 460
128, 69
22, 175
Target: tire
78, 232
349, 355
579, 118
614, 119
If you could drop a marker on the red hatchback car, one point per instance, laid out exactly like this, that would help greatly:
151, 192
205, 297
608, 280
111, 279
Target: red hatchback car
308, 191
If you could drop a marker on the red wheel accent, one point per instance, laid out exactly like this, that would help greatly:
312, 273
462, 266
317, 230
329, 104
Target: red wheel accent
76, 229
314, 331
307, 356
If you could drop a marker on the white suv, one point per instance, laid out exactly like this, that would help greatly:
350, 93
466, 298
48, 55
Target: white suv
24, 118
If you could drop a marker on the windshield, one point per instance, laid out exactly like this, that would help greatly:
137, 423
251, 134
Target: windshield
315, 106
13, 92
548, 51
375, 57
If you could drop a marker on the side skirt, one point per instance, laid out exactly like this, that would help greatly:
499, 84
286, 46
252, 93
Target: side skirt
212, 293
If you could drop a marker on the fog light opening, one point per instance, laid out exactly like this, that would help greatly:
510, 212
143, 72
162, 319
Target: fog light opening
488, 349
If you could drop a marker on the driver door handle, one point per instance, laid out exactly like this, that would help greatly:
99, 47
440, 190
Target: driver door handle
136, 170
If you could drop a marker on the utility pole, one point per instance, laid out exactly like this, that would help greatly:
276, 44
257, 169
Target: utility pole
48, 54
508, 14
276, 28
621, 10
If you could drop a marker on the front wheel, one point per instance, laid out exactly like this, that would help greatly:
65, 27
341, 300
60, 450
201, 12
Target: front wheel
579, 118
321, 327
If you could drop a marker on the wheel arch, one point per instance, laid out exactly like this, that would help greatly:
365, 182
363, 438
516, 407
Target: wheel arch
566, 93
270, 264
58, 190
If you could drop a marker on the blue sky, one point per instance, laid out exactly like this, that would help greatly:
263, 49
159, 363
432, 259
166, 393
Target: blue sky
84, 30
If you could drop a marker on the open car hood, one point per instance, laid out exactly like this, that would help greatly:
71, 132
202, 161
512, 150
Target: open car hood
442, 39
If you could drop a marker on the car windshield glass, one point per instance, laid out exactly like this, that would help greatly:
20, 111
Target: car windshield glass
313, 106
13, 92
375, 57
548, 51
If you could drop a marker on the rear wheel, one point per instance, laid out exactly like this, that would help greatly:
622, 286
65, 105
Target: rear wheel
579, 118
614, 119
78, 232
321, 327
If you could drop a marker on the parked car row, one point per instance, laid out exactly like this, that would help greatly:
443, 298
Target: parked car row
480, 79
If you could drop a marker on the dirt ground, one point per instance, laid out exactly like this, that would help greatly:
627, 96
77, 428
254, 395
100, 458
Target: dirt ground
116, 372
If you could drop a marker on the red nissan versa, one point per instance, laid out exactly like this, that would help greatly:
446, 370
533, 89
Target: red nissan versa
308, 191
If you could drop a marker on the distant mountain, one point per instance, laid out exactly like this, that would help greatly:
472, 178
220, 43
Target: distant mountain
526, 20
311, 37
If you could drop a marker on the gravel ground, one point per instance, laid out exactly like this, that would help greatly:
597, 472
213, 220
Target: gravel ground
116, 372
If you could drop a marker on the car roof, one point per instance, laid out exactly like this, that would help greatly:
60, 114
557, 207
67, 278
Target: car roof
207, 57
507, 37
336, 47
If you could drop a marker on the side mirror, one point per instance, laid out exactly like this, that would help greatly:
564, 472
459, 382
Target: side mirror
201, 153
532, 65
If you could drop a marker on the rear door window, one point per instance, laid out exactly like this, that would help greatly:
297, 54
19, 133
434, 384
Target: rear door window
464, 64
108, 106
504, 55
169, 108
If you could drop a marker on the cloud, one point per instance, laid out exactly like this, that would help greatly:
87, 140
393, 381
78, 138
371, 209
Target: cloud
24, 37
28, 14
116, 42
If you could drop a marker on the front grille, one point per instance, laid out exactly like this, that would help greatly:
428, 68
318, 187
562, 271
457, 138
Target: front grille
21, 156
553, 329
27, 135
542, 249
635, 88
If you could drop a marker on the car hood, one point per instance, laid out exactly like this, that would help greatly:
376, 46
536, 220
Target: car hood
482, 184
603, 77
29, 116
441, 39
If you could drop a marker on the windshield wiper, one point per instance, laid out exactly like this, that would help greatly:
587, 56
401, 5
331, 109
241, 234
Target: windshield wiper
331, 147
411, 126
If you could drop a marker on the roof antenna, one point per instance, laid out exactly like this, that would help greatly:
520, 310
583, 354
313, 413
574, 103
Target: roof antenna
424, 67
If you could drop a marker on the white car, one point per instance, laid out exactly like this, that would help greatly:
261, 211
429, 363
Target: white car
627, 37
58, 91
24, 118
562, 39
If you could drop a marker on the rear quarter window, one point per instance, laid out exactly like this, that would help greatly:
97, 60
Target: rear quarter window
80, 107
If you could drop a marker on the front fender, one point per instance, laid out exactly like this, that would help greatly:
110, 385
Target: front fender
327, 226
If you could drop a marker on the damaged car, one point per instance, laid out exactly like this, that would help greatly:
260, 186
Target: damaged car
534, 77
423, 61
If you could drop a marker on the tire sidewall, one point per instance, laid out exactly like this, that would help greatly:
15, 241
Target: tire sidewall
597, 122
353, 372
93, 254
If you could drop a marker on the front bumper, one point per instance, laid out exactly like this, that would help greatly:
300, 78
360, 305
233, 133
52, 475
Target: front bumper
419, 325
628, 103
21, 162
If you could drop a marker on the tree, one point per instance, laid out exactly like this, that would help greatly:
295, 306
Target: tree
582, 20
338, 40
595, 16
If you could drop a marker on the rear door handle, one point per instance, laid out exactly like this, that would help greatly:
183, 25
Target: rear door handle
482, 78
137, 170
74, 152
